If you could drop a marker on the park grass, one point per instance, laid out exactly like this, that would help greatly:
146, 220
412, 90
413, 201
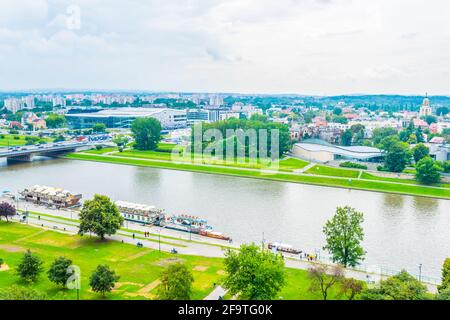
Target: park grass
137, 267
378, 186
369, 176
333, 172
10, 140
101, 151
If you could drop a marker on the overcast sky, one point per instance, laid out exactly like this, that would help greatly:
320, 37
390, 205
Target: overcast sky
320, 47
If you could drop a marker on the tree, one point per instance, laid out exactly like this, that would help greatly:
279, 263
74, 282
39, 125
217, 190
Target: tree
176, 283
147, 133
379, 134
17, 293
322, 278
99, 128
54, 121
346, 138
58, 272
430, 119
121, 140
351, 288
337, 111
103, 279
100, 216
443, 295
7, 210
428, 171
254, 273
30, 267
420, 151
402, 286
397, 157
445, 284
344, 234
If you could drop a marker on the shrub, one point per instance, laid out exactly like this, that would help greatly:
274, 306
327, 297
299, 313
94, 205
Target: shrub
99, 147
352, 165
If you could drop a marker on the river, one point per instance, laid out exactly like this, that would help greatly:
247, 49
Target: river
400, 231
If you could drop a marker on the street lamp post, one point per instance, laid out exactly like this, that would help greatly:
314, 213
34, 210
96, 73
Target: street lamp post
420, 272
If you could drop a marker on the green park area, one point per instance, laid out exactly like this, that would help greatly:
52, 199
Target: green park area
12, 140
325, 176
139, 268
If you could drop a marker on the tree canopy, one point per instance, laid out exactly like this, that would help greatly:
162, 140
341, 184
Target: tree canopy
344, 234
147, 133
402, 286
254, 273
103, 279
54, 121
100, 216
420, 151
58, 272
428, 171
176, 283
7, 210
30, 267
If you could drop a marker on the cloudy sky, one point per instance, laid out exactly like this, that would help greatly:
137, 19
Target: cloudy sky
255, 46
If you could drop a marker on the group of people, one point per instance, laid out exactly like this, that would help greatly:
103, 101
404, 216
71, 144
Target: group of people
308, 257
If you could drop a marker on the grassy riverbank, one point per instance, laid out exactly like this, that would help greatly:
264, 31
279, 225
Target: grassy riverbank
139, 268
332, 181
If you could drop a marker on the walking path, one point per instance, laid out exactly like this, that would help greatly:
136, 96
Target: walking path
202, 247
216, 293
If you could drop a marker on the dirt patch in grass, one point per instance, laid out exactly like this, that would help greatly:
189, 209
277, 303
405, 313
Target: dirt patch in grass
118, 285
30, 236
200, 268
135, 256
10, 248
150, 286
4, 267
221, 272
168, 261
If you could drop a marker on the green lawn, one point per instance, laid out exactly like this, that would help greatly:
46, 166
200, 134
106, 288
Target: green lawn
101, 151
11, 140
333, 172
139, 268
369, 176
15, 140
306, 179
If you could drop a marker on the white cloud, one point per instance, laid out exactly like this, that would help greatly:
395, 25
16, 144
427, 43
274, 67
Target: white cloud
303, 46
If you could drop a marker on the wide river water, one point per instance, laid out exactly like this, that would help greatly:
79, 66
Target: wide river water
400, 231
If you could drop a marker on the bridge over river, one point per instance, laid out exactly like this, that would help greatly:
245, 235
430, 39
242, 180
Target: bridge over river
26, 153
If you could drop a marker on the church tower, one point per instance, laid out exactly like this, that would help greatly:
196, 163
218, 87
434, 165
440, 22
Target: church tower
425, 109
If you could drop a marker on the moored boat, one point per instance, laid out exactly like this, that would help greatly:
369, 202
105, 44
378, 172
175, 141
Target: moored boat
282, 247
50, 196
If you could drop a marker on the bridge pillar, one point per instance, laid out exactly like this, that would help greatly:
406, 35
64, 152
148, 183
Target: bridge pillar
24, 158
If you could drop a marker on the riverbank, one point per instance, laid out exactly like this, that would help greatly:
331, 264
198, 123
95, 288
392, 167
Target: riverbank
139, 268
358, 183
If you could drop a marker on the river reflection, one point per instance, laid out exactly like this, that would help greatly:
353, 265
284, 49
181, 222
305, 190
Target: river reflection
400, 231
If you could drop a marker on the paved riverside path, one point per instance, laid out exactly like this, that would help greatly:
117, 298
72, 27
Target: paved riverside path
203, 246
216, 293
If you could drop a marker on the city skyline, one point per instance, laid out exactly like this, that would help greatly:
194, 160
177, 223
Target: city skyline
323, 47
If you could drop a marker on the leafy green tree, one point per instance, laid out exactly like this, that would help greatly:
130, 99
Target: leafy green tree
379, 134
430, 119
443, 294
147, 133
323, 279
259, 117
121, 140
445, 284
103, 279
337, 111
99, 128
254, 273
18, 293
346, 138
428, 171
7, 210
30, 267
58, 272
54, 121
176, 283
420, 151
402, 286
100, 216
351, 288
344, 234
397, 157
